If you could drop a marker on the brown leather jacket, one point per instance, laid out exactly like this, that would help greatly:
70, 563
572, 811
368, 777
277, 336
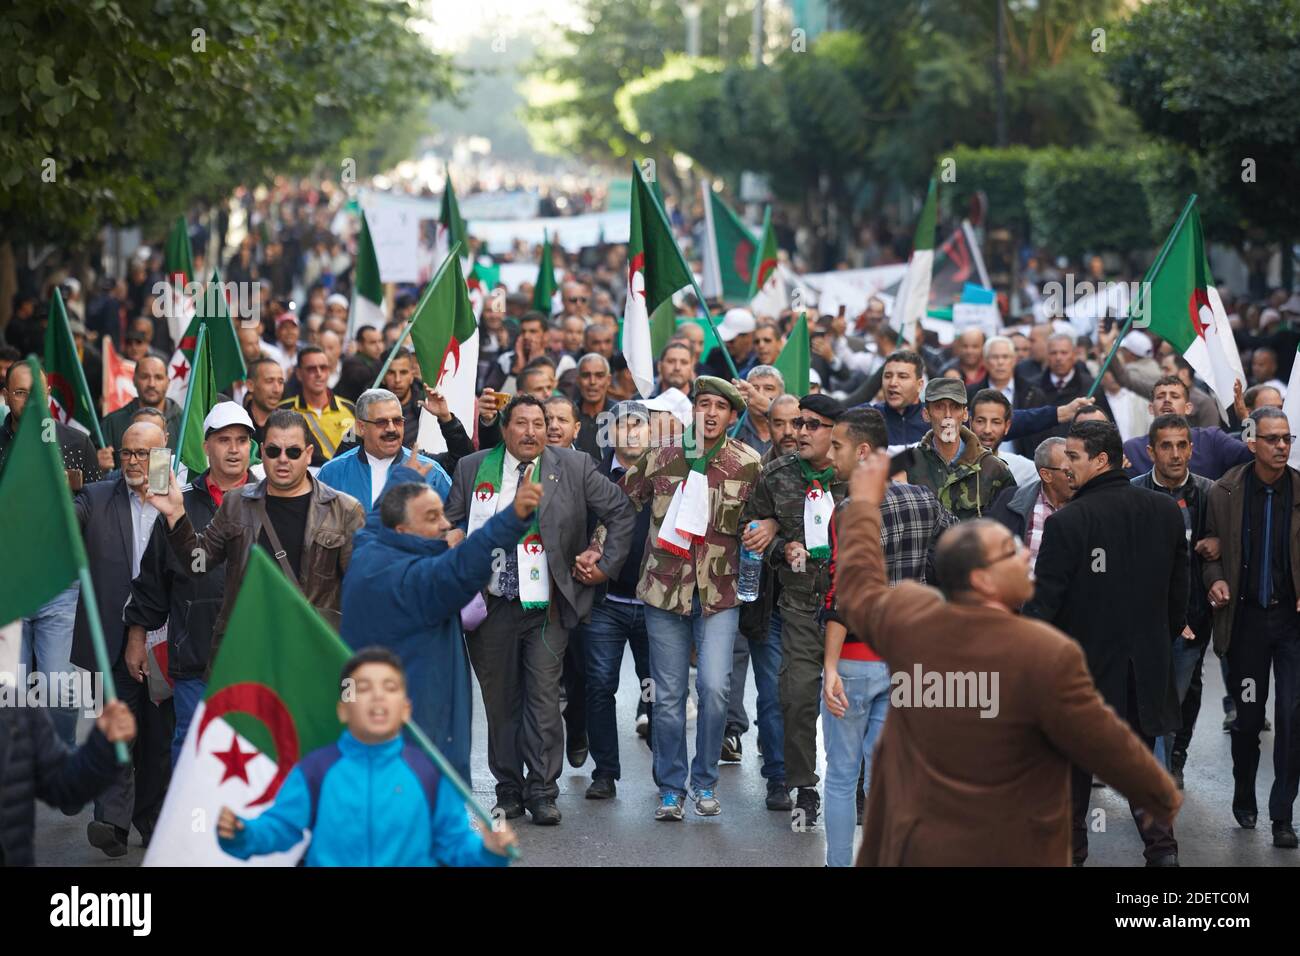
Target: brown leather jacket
332, 520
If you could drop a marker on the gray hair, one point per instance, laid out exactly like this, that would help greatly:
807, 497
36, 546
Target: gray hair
594, 357
1043, 453
786, 397
1266, 412
766, 371
1061, 336
371, 397
998, 340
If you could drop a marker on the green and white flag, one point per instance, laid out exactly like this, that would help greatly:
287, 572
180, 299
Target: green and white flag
224, 353
271, 700
544, 288
655, 271
914, 292
70, 400
199, 399
1179, 303
368, 294
769, 296
795, 360
451, 228
728, 253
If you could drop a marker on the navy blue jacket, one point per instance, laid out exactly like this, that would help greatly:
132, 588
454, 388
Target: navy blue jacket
1214, 451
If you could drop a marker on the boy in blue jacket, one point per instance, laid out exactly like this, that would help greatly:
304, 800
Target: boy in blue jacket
372, 799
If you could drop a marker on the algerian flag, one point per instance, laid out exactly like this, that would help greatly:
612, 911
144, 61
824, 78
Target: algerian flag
768, 295
36, 507
451, 228
795, 359
70, 400
444, 335
1179, 303
914, 292
199, 399
270, 701
178, 261
226, 357
655, 270
728, 253
368, 291
544, 288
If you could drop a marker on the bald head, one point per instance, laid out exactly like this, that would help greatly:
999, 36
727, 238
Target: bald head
139, 439
984, 561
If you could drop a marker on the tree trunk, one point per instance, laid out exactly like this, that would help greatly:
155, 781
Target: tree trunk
8, 282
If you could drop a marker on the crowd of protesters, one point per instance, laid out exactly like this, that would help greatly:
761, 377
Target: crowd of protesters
1153, 527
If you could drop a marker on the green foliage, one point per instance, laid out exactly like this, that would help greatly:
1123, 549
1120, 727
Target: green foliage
999, 174
140, 108
1082, 201
1223, 80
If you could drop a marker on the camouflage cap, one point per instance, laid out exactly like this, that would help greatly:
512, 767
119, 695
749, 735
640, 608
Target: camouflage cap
937, 389
712, 385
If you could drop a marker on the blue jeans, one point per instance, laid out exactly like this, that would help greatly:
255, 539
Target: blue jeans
849, 742
671, 638
766, 658
186, 694
612, 625
1187, 657
48, 634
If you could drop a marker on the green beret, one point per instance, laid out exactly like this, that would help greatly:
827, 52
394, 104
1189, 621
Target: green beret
712, 385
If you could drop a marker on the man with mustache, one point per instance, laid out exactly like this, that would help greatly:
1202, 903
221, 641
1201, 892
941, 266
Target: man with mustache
539, 592
150, 378
362, 472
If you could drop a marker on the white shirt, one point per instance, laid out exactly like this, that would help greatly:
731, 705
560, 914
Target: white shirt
378, 475
1022, 469
1009, 390
1060, 383
505, 498
143, 515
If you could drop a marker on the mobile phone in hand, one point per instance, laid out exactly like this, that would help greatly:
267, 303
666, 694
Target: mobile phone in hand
160, 470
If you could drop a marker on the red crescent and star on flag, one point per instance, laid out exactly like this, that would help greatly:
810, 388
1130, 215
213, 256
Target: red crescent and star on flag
1198, 298
484, 491
256, 700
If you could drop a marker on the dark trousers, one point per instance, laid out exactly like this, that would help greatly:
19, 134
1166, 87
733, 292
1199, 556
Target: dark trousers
517, 657
136, 795
1158, 838
800, 681
1262, 639
1191, 696
574, 678
613, 626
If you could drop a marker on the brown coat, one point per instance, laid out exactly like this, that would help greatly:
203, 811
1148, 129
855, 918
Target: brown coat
1223, 521
952, 788
332, 520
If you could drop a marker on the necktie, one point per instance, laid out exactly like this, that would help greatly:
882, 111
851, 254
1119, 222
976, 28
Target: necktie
1266, 555
508, 582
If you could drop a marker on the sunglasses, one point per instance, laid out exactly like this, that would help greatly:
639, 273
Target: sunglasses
273, 452
812, 424
385, 422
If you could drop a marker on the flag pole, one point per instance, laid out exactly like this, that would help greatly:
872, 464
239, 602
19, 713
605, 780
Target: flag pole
1154, 270
96, 629
406, 332
663, 218
452, 777
80, 372
200, 342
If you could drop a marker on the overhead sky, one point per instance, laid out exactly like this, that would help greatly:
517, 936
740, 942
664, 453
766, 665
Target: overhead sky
451, 24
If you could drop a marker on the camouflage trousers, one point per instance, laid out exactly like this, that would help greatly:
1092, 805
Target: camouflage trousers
800, 681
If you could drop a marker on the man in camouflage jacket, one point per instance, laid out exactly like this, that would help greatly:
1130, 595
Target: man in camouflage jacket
778, 506
680, 591
950, 460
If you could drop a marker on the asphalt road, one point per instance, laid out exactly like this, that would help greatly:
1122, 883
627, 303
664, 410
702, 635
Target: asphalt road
622, 832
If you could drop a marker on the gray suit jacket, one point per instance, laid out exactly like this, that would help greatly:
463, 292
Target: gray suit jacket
103, 511
572, 486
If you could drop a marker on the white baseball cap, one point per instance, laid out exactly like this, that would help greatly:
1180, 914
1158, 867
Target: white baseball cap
1139, 343
224, 414
673, 401
337, 299
736, 322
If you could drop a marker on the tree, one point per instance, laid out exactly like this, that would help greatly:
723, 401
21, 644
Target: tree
1223, 80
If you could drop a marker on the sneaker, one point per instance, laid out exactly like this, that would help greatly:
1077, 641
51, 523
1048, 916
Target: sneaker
670, 807
809, 801
778, 796
731, 748
706, 804
643, 726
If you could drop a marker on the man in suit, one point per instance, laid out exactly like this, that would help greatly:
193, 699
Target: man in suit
1253, 573
991, 790
1002, 374
1063, 383
116, 521
540, 592
1112, 573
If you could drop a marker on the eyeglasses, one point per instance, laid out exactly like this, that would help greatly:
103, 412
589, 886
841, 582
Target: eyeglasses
314, 369
1276, 439
385, 422
1052, 468
1017, 550
273, 451
812, 424
134, 454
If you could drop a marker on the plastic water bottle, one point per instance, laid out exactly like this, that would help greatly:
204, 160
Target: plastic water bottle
751, 568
